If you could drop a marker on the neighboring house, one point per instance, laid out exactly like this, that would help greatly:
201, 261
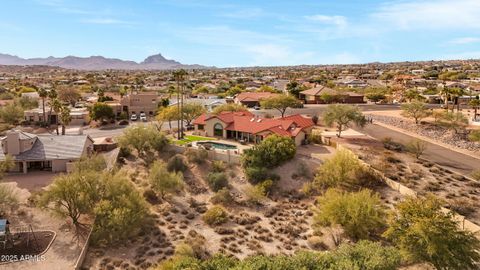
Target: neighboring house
250, 128
137, 103
323, 94
352, 83
80, 116
252, 99
280, 85
209, 103
44, 152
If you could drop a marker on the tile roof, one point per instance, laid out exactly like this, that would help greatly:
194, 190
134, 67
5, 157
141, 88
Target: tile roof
247, 122
254, 96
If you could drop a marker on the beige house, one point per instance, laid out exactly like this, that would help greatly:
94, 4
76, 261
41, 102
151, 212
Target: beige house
80, 116
246, 127
53, 153
137, 103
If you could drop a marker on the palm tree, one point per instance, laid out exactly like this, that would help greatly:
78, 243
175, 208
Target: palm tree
445, 93
475, 104
457, 93
52, 95
179, 76
43, 95
57, 106
65, 118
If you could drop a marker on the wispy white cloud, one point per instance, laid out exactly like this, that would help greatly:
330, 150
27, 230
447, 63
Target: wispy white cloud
430, 14
465, 40
339, 21
106, 21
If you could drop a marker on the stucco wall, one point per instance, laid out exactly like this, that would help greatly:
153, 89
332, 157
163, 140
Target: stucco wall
211, 123
59, 165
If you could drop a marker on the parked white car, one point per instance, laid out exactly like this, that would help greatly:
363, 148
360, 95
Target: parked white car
133, 117
143, 117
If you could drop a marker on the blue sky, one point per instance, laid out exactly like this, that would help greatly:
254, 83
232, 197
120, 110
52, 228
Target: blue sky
244, 32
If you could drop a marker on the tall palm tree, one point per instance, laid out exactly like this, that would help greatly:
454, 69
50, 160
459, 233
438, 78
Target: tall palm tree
456, 93
445, 93
43, 95
65, 118
179, 76
475, 105
52, 95
57, 106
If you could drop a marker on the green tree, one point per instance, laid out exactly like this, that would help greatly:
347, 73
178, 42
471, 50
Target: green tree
57, 106
43, 93
360, 213
230, 107
168, 114
191, 111
71, 195
271, 152
143, 138
65, 118
294, 89
416, 110
423, 232
26, 103
11, 114
6, 164
234, 91
101, 111
343, 116
280, 103
163, 181
121, 212
217, 180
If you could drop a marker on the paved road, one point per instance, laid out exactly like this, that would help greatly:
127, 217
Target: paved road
443, 156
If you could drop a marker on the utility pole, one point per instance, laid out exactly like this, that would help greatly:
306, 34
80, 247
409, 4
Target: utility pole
180, 78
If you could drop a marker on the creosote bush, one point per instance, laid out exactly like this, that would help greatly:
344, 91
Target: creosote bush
215, 216
217, 180
198, 156
223, 196
177, 164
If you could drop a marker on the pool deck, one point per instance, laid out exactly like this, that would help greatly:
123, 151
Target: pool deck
239, 146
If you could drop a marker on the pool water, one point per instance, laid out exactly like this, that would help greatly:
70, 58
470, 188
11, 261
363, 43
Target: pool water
221, 146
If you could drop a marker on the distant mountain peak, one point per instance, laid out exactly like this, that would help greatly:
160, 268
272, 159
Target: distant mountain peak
157, 59
97, 62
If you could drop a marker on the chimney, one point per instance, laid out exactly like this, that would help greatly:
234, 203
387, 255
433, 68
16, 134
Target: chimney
13, 143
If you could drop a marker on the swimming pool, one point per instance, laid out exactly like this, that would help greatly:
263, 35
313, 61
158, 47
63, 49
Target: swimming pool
217, 145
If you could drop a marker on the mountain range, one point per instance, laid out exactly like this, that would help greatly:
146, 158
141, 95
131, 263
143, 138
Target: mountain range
153, 62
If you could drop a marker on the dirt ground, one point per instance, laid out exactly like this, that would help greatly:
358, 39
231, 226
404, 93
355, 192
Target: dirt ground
459, 193
281, 224
66, 246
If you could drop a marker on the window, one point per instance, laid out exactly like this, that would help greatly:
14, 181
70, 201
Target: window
218, 129
201, 127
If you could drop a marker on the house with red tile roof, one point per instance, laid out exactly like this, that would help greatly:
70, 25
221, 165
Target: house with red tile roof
251, 128
252, 99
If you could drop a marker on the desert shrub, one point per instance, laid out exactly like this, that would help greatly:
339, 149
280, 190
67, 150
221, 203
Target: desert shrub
463, 206
218, 166
316, 242
360, 213
423, 232
223, 196
217, 180
476, 175
163, 181
338, 171
368, 177
303, 170
124, 152
258, 193
271, 152
8, 198
259, 174
196, 156
144, 139
266, 186
362, 255
215, 216
177, 164
315, 138
389, 144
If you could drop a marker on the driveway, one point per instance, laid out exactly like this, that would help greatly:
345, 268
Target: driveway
32, 181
